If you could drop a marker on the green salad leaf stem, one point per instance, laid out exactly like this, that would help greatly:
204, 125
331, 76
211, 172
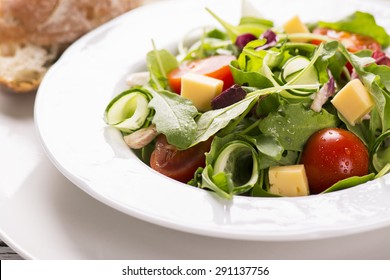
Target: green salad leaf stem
160, 63
248, 25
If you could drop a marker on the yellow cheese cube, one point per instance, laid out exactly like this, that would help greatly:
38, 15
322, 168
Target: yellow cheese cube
295, 25
288, 180
353, 101
200, 89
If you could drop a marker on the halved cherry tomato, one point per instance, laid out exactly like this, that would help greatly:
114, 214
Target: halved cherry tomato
333, 154
353, 42
214, 66
178, 164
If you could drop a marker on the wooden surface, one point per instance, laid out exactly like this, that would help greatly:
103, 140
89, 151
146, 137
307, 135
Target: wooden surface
6, 253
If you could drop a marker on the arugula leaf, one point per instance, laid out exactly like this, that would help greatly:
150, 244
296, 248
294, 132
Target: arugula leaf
361, 130
251, 59
350, 182
293, 124
268, 104
288, 158
380, 149
268, 146
360, 23
383, 72
326, 55
380, 86
272, 153
160, 63
381, 158
251, 79
174, 117
247, 25
211, 122
211, 43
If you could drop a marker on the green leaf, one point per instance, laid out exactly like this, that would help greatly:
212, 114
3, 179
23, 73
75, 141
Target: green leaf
268, 104
174, 117
381, 150
247, 25
251, 79
324, 58
360, 23
381, 158
383, 72
251, 59
160, 63
207, 46
269, 146
288, 158
380, 88
212, 121
293, 124
272, 153
350, 182
361, 130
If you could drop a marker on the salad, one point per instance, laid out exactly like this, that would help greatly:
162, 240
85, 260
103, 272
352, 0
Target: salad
261, 110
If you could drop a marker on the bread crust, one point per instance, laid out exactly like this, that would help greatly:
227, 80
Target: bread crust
50, 24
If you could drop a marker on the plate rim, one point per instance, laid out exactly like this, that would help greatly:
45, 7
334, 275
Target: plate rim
159, 221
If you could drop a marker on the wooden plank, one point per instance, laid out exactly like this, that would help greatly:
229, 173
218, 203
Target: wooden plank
6, 253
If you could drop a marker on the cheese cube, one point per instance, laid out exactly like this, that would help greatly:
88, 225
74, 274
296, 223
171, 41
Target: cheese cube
295, 25
288, 180
353, 101
200, 89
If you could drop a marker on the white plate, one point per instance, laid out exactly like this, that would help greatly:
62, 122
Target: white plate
69, 110
44, 216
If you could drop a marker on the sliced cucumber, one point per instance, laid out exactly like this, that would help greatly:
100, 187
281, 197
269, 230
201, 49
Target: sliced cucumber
293, 66
299, 71
128, 111
239, 160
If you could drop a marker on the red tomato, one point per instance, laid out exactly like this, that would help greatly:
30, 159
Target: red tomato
178, 164
214, 66
353, 42
333, 154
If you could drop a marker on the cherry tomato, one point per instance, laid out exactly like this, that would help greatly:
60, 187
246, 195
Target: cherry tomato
178, 164
353, 42
333, 154
214, 66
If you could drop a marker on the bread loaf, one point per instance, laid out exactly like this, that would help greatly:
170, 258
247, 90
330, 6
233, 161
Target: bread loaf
33, 33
